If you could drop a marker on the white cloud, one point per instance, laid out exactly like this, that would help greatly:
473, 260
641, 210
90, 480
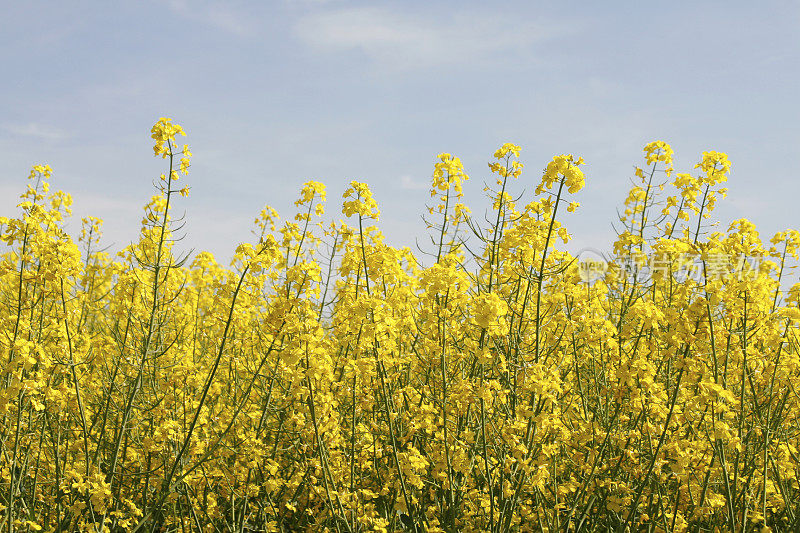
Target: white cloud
410, 184
218, 14
34, 129
400, 40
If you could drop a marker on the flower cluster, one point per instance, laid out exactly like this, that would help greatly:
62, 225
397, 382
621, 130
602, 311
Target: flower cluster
563, 169
658, 151
359, 200
164, 132
488, 309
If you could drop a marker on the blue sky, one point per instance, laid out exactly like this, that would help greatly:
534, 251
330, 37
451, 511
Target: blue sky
275, 93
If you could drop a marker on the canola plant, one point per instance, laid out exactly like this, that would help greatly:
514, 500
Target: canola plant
325, 381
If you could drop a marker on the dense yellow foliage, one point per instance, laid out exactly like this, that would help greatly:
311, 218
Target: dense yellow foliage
326, 381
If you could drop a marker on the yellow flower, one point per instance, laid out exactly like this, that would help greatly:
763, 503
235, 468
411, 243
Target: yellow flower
658, 151
506, 149
716, 166
489, 307
563, 167
326, 378
359, 200
164, 132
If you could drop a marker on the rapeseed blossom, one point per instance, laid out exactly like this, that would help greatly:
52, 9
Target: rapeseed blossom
327, 381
